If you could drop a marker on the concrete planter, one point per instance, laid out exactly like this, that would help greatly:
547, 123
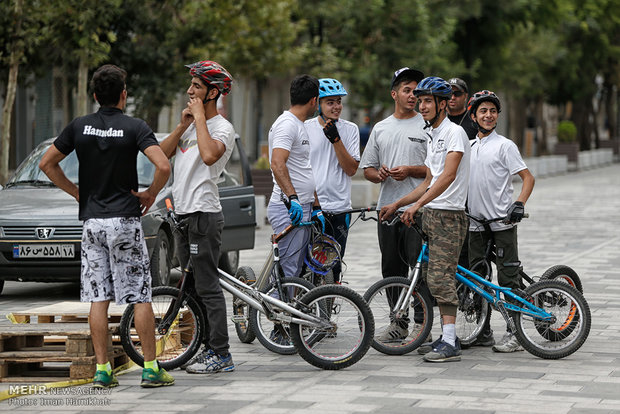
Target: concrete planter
570, 149
614, 144
263, 183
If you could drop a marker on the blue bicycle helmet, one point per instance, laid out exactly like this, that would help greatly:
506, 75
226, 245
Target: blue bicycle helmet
323, 254
330, 87
435, 86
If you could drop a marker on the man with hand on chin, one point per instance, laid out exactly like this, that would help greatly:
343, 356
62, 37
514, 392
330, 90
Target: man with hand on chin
442, 194
334, 155
202, 144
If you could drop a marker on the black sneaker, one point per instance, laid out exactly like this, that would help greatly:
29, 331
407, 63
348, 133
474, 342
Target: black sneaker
444, 352
484, 339
427, 347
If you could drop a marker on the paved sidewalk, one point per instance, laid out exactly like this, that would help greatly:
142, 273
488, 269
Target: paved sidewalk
574, 220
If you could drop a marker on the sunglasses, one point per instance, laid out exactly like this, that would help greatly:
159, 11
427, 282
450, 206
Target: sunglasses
458, 94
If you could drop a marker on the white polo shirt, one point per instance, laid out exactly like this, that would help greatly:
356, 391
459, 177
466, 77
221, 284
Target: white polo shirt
289, 133
333, 185
494, 160
448, 137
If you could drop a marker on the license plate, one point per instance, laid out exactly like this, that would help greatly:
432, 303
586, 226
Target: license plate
54, 251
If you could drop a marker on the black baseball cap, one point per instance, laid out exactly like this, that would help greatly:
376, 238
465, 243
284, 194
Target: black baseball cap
415, 74
459, 83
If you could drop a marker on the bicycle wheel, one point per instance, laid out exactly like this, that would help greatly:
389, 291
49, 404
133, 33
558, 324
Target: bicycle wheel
179, 343
241, 310
276, 336
398, 336
473, 311
350, 331
563, 273
565, 303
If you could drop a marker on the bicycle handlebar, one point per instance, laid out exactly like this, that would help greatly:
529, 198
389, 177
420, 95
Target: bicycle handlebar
483, 221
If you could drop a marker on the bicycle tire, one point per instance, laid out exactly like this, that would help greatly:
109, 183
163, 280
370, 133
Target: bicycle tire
174, 348
378, 298
263, 327
473, 311
350, 335
563, 273
244, 331
559, 299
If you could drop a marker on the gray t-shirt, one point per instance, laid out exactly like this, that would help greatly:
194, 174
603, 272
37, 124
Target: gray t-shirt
395, 142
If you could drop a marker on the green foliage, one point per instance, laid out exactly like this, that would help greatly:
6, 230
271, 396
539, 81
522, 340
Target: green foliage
262, 163
567, 131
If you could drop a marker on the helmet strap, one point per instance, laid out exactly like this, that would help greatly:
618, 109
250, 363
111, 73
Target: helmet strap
484, 130
436, 117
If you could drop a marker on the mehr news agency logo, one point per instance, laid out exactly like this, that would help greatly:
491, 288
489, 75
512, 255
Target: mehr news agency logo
58, 397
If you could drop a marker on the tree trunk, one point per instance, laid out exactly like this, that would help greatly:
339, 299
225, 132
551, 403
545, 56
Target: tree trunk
612, 127
11, 90
517, 121
82, 92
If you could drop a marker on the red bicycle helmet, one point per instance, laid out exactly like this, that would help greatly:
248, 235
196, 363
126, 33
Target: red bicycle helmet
483, 96
212, 73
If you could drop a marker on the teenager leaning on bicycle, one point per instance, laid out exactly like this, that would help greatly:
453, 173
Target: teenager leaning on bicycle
443, 194
494, 161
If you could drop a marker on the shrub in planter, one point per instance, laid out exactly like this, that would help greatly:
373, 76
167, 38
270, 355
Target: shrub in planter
567, 131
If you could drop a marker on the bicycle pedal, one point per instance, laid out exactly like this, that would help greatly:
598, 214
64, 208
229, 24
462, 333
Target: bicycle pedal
238, 319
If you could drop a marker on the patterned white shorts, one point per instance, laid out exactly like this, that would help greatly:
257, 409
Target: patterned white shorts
115, 261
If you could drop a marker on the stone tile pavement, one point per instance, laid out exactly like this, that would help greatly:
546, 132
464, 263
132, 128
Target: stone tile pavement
574, 220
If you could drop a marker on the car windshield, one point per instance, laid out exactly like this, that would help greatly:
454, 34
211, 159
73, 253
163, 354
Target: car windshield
29, 173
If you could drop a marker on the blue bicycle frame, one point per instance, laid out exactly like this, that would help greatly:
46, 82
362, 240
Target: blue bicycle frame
464, 275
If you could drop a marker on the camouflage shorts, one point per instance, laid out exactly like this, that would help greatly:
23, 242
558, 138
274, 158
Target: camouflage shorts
446, 230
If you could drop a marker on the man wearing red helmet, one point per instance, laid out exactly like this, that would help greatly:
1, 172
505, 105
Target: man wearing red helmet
494, 161
202, 143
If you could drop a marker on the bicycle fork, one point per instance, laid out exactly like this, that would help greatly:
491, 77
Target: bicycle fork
402, 304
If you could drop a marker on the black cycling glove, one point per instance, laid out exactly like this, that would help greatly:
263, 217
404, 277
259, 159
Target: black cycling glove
515, 212
331, 131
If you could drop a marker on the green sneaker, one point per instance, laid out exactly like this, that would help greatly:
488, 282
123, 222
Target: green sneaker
152, 379
104, 380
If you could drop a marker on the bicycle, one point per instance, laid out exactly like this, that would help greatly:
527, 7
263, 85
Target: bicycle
330, 340
324, 251
323, 254
539, 315
473, 312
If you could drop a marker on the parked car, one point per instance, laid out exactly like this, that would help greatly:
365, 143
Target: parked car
40, 234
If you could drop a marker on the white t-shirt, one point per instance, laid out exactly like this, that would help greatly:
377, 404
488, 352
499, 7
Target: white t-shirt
289, 133
449, 137
396, 142
333, 185
195, 183
494, 160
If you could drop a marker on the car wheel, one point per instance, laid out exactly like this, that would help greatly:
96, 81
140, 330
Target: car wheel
229, 261
160, 260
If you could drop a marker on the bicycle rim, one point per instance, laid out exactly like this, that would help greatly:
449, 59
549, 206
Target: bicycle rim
179, 343
567, 333
276, 336
472, 314
398, 336
347, 334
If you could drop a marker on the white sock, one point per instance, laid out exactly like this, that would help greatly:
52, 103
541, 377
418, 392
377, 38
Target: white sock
449, 334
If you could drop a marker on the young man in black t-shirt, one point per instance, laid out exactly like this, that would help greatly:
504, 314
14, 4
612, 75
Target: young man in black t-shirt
457, 107
115, 262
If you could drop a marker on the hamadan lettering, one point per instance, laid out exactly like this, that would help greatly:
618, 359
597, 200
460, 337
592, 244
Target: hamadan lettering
89, 130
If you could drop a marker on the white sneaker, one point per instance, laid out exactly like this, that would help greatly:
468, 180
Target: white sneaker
509, 343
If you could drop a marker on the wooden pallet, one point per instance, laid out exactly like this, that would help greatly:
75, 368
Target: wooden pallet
68, 311
26, 355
